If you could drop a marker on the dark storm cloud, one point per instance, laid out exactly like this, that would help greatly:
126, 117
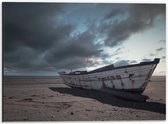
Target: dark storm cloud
163, 57
151, 54
76, 50
35, 37
156, 51
162, 41
40, 37
138, 17
21, 57
31, 25
124, 62
146, 60
160, 49
113, 13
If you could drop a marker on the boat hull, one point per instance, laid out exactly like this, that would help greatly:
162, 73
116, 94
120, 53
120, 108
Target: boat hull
130, 79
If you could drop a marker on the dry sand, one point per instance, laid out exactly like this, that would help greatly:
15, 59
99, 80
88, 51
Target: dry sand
51, 100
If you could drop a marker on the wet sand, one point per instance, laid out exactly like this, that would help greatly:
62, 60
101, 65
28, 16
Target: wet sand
51, 100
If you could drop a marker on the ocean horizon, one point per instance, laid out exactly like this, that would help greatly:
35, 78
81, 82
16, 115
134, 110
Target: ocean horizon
29, 77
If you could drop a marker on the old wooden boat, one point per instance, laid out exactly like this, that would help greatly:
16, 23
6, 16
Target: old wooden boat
130, 78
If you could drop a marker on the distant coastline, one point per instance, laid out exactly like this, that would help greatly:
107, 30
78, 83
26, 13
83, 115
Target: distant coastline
54, 77
30, 77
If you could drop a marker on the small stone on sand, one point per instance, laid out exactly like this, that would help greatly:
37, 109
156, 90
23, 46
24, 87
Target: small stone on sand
71, 113
28, 99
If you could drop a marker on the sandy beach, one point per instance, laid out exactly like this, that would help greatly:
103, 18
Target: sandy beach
51, 100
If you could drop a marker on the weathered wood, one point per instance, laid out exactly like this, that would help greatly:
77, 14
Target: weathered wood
132, 77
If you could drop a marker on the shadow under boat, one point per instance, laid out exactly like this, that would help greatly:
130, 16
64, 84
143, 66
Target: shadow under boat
107, 98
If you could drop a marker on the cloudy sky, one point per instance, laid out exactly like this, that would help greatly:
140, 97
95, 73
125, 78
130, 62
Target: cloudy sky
45, 38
